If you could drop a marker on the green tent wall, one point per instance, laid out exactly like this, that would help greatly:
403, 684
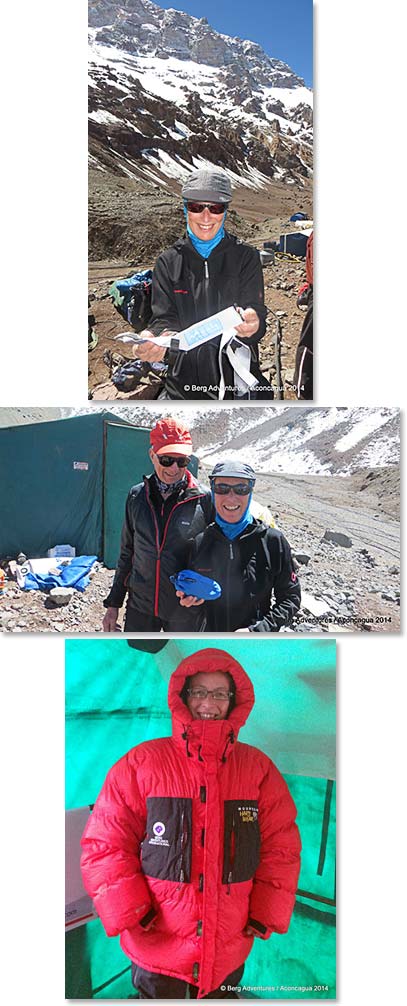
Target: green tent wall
116, 697
66, 482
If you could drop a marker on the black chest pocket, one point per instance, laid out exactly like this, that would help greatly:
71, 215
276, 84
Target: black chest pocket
241, 855
166, 848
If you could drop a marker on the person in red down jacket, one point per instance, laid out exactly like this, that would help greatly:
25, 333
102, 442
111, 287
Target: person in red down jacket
192, 848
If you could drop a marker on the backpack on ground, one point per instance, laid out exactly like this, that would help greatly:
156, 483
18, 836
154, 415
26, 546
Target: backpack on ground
132, 298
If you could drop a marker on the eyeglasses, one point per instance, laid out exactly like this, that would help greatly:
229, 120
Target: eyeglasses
167, 461
221, 489
216, 208
219, 694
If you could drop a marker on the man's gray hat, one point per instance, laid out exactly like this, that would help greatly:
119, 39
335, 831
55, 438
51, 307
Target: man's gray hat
209, 184
233, 470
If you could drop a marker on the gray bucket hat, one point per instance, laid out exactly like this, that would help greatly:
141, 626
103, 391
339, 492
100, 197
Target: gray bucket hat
209, 184
233, 470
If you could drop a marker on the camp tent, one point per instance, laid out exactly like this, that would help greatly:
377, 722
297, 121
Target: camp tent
66, 482
116, 697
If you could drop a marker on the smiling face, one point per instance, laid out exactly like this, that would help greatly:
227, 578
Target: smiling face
231, 507
205, 225
167, 475
209, 708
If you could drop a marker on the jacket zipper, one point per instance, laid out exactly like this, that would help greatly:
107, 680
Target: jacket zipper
159, 547
206, 275
232, 852
231, 557
184, 843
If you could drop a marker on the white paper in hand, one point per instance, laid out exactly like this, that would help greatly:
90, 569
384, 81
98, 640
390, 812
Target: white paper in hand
195, 335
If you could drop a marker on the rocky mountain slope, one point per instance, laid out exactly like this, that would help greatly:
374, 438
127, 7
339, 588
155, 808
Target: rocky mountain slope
287, 439
168, 93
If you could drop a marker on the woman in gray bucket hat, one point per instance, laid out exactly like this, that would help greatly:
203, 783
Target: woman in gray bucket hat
251, 562
205, 272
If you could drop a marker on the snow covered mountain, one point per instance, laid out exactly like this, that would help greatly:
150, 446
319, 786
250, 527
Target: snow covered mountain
314, 441
168, 93
287, 439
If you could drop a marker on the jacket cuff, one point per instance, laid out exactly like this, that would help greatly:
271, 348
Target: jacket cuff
114, 599
264, 625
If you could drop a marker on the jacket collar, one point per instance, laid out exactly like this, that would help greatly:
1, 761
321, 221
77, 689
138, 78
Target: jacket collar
255, 529
185, 244
189, 489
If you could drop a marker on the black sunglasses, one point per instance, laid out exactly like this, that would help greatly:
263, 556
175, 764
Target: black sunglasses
221, 489
167, 461
215, 208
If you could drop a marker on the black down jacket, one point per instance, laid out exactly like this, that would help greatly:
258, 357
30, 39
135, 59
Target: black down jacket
154, 545
186, 289
250, 569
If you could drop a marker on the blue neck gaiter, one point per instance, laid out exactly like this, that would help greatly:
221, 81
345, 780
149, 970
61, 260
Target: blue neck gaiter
231, 531
204, 248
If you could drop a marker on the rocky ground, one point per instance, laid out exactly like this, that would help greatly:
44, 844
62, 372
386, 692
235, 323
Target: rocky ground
349, 586
353, 579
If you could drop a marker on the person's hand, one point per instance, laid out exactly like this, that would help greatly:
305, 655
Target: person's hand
110, 623
187, 600
245, 629
147, 350
250, 324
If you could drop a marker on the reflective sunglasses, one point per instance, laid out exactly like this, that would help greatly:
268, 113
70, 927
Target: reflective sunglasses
167, 461
216, 208
218, 694
221, 489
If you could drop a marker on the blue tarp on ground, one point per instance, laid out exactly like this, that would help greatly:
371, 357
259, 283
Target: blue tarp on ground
75, 575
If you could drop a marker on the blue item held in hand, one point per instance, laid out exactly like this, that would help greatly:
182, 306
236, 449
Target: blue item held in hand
195, 585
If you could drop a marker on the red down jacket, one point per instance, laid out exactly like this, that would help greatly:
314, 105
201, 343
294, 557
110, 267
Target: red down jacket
201, 828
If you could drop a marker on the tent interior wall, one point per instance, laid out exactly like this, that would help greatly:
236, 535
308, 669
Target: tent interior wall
117, 697
66, 482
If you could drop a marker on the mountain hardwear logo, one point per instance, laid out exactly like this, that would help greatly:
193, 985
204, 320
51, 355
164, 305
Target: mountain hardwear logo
158, 828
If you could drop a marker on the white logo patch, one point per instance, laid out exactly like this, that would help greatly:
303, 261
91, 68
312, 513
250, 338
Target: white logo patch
158, 832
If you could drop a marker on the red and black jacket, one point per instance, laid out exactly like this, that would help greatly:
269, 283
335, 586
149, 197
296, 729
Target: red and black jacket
197, 832
154, 544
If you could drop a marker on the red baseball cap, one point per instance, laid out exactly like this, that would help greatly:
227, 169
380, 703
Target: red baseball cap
170, 437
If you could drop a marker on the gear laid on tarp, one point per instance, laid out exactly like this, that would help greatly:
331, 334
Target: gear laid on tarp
196, 585
76, 574
129, 375
117, 698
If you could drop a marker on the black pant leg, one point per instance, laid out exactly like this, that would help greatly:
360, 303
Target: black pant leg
154, 986
138, 621
230, 982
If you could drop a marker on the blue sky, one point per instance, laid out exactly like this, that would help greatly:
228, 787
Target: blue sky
282, 27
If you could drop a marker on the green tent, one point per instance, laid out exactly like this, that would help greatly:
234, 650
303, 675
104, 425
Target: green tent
116, 697
66, 482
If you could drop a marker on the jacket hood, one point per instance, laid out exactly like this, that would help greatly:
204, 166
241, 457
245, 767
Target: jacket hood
212, 735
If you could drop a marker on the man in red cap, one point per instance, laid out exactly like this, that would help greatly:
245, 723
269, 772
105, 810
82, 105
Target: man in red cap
162, 513
192, 849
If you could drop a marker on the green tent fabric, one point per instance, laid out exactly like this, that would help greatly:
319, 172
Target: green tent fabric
66, 482
116, 697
